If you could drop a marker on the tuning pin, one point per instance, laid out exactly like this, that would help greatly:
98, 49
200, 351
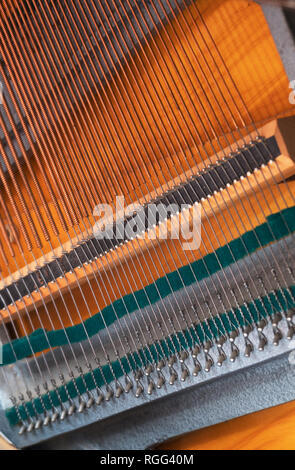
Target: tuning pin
234, 352
90, 401
290, 314
100, 398
247, 330
160, 365
148, 370
291, 330
110, 393
22, 429
197, 368
184, 374
139, 390
221, 340
183, 356
31, 427
119, 390
233, 335
54, 417
171, 361
249, 348
277, 335
46, 420
129, 385
261, 325
208, 362
221, 356
207, 346
72, 409
196, 352
151, 387
63, 414
138, 374
82, 406
38, 424
262, 341
173, 376
276, 319
161, 381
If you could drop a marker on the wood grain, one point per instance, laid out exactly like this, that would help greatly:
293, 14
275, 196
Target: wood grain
4, 445
255, 72
155, 89
252, 68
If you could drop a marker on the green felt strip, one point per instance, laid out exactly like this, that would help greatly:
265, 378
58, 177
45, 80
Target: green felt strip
277, 226
226, 323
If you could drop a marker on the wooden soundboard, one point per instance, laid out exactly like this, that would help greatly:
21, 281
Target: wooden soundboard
250, 62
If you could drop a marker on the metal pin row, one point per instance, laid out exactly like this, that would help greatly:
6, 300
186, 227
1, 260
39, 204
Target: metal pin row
116, 390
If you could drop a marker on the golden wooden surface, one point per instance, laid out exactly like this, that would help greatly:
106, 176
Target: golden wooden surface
4, 445
247, 48
271, 429
248, 53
